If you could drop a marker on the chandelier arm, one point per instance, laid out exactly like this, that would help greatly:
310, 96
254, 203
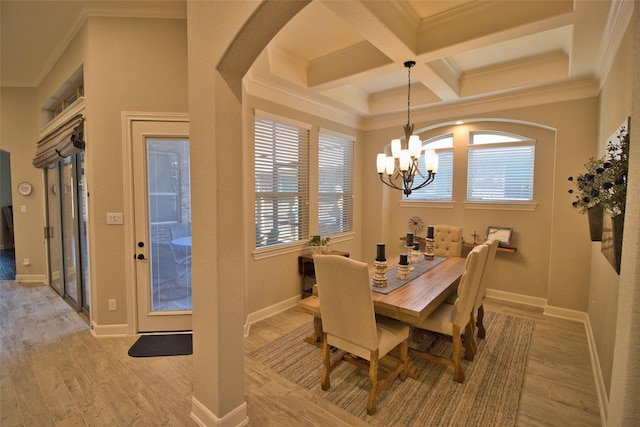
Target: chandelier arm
389, 183
427, 181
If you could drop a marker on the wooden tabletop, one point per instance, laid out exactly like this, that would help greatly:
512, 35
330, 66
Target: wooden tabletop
413, 302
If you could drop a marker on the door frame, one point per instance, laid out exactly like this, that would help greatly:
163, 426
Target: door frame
128, 117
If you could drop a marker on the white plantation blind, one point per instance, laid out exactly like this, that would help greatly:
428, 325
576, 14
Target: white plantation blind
281, 182
500, 168
442, 187
335, 184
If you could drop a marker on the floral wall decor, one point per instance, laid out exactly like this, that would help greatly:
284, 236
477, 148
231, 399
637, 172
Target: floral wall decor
601, 192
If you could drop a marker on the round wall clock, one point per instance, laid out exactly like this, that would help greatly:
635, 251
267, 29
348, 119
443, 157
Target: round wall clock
25, 188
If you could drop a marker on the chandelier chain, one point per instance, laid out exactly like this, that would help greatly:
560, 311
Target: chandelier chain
409, 98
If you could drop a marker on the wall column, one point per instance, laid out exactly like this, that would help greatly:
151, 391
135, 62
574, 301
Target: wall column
625, 382
224, 39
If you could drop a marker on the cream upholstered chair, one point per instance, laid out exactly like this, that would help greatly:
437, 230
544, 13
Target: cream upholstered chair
478, 309
349, 323
453, 320
447, 241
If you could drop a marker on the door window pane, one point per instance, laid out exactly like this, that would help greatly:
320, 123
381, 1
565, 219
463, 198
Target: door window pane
169, 188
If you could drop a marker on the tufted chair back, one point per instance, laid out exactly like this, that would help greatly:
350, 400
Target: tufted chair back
447, 241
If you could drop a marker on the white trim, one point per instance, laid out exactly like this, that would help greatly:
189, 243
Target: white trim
426, 204
204, 417
518, 298
109, 331
502, 206
287, 248
565, 313
31, 278
267, 312
603, 400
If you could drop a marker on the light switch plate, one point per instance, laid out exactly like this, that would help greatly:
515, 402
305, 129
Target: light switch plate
114, 218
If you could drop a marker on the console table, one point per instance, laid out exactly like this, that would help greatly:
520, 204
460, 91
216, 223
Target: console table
509, 249
307, 270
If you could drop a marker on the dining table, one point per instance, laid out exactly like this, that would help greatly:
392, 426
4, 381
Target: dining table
411, 303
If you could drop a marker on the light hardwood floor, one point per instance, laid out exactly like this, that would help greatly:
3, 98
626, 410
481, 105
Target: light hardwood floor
54, 373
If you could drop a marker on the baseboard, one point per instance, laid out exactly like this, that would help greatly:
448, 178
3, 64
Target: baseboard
204, 417
266, 312
109, 331
573, 315
603, 400
517, 298
31, 278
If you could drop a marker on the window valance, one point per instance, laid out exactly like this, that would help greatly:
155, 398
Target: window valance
63, 141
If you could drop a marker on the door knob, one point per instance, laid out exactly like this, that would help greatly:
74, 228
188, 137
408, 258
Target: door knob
141, 244
140, 256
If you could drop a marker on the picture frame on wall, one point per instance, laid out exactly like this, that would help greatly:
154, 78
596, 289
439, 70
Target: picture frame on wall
503, 234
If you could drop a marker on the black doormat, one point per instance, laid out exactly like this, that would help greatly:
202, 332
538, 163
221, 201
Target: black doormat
162, 345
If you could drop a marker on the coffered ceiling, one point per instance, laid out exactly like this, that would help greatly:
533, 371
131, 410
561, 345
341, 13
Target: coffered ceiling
350, 54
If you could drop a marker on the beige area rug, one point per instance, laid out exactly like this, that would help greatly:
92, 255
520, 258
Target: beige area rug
490, 395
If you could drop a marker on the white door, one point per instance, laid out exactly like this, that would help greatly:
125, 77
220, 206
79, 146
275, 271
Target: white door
162, 204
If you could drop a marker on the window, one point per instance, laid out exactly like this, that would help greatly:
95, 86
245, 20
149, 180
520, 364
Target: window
281, 182
441, 189
500, 167
335, 188
163, 184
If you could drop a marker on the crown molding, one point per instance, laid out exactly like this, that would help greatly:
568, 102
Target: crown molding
617, 23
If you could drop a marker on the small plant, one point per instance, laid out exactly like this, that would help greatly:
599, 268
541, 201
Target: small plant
319, 241
589, 185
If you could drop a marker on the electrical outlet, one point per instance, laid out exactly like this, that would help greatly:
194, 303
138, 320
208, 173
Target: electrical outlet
114, 218
113, 306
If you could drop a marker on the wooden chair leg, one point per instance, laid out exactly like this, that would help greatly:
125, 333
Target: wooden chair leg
326, 363
373, 383
470, 344
458, 374
481, 330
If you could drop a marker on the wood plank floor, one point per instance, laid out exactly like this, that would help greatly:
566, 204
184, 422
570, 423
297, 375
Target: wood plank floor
54, 373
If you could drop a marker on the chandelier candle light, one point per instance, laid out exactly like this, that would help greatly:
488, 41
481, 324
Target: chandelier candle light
402, 165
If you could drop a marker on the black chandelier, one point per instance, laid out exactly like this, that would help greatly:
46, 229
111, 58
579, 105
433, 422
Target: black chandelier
399, 170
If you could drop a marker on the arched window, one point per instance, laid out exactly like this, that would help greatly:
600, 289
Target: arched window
500, 167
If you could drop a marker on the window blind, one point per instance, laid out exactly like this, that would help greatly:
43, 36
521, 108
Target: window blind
63, 141
281, 153
335, 184
441, 189
501, 171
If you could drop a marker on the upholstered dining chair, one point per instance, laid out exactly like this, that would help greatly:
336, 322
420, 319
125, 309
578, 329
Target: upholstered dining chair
478, 308
454, 320
349, 324
447, 241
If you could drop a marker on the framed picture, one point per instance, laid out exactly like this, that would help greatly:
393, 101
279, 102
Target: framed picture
503, 234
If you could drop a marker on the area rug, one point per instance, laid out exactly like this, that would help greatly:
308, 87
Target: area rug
489, 396
162, 345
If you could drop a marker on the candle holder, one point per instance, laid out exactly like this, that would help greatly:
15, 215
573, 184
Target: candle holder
428, 248
403, 272
411, 257
379, 278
